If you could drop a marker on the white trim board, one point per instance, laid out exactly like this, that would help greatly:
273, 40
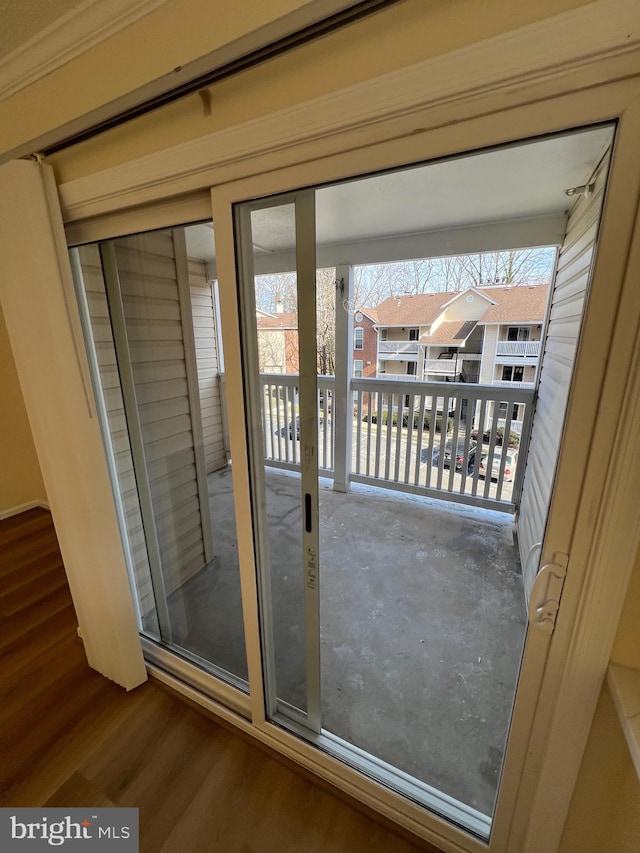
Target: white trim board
16, 510
570, 41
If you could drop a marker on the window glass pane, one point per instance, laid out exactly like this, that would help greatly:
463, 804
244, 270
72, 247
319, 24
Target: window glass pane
153, 312
276, 323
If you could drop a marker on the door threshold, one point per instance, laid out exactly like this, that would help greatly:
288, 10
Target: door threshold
456, 812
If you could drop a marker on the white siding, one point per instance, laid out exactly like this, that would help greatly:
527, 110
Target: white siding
103, 338
207, 362
150, 297
488, 355
566, 310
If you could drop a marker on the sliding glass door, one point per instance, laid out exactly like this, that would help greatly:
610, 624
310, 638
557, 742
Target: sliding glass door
388, 508
280, 337
392, 502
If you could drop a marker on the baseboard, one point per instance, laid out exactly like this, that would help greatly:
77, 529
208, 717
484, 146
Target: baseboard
15, 510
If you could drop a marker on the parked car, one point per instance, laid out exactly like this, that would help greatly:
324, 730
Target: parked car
291, 427
459, 454
510, 462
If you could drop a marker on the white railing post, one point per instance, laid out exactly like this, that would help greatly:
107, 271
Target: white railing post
342, 403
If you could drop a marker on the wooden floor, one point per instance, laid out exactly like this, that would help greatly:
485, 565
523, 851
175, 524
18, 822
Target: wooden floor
69, 737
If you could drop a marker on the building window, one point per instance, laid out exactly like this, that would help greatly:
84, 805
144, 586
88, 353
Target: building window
357, 367
412, 368
384, 334
413, 334
502, 411
512, 373
358, 338
518, 333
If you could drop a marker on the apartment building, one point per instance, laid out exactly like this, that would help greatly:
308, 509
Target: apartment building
277, 336
365, 343
490, 335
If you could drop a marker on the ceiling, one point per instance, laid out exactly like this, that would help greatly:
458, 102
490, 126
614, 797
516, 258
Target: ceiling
20, 20
521, 181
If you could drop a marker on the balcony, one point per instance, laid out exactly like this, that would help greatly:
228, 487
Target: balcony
382, 536
442, 366
398, 350
395, 433
518, 349
399, 377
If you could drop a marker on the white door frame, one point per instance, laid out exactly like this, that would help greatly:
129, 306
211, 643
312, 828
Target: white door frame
604, 541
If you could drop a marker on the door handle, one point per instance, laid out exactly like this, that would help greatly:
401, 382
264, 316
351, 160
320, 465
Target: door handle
308, 523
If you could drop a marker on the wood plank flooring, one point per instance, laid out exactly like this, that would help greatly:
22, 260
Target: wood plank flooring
69, 737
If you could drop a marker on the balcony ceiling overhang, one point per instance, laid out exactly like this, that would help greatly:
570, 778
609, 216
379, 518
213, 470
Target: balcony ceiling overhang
508, 198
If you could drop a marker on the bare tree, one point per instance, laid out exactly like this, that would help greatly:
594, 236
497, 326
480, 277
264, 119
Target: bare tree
376, 282
519, 266
276, 291
326, 321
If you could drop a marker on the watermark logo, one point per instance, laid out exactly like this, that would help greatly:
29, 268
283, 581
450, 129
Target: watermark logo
27, 830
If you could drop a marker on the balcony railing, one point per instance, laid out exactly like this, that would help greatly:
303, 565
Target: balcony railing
397, 430
519, 349
443, 366
402, 431
397, 349
505, 383
400, 377
280, 424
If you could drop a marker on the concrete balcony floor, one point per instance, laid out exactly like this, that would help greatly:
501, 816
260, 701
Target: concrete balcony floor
422, 624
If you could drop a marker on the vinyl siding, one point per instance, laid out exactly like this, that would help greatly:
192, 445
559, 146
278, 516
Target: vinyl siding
151, 302
565, 318
117, 422
488, 355
208, 365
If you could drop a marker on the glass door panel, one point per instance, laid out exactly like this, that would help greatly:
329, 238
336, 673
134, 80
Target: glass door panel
278, 266
151, 318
